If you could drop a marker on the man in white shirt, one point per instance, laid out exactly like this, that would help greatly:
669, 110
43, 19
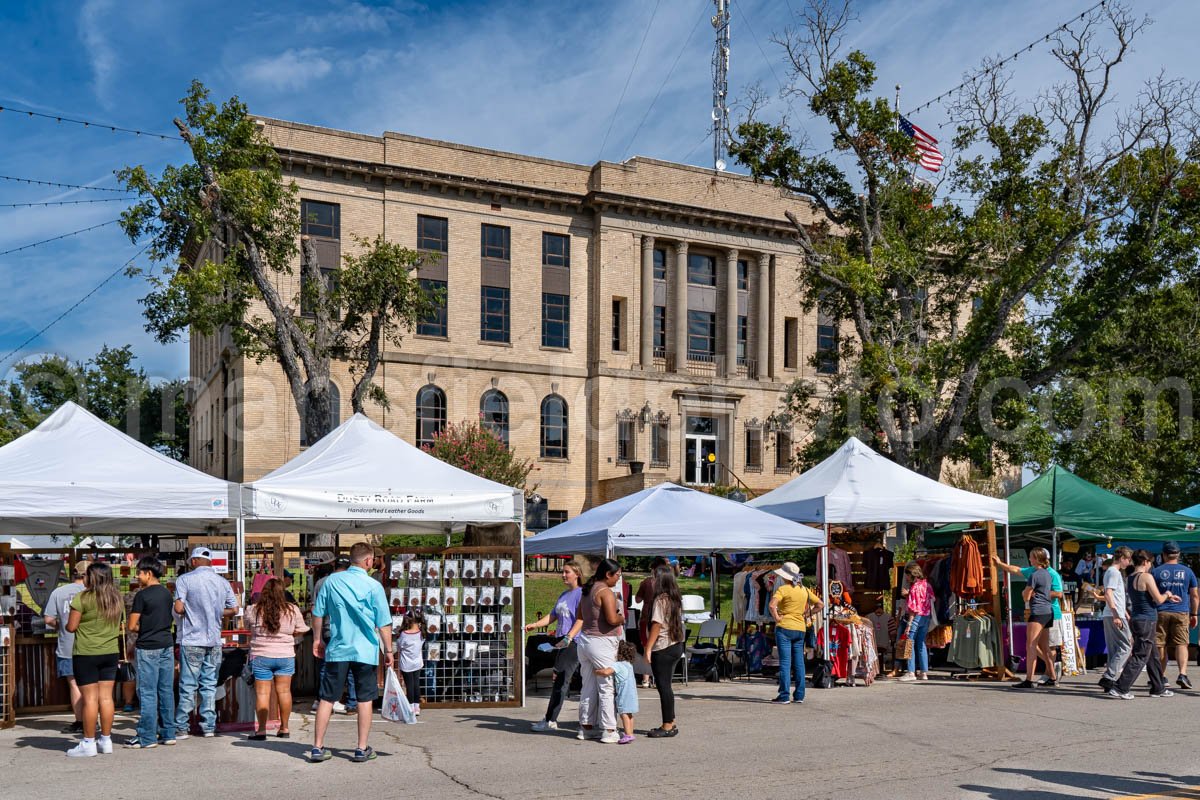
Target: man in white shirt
1117, 638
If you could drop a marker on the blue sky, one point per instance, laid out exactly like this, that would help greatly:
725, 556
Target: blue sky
541, 78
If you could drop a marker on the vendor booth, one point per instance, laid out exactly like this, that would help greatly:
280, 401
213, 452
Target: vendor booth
856, 487
76, 474
1061, 511
362, 479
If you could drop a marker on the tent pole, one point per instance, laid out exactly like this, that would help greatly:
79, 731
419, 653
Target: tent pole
1054, 548
240, 546
520, 569
1008, 591
825, 595
713, 596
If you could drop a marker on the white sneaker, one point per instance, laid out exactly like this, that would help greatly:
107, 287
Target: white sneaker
104, 745
610, 737
416, 707
339, 708
315, 705
1118, 694
924, 676
908, 677
584, 734
543, 725
1163, 693
83, 750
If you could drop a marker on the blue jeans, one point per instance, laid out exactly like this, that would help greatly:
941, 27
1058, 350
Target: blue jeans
156, 694
198, 667
919, 660
791, 662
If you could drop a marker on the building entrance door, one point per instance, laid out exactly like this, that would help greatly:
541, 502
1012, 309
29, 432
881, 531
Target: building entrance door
700, 451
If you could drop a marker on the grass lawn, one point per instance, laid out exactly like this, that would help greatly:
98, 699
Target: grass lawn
542, 590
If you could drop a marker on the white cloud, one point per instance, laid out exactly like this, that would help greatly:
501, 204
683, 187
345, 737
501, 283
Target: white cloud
351, 18
101, 54
288, 71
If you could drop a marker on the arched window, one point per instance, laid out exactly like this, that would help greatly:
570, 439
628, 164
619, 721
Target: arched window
554, 427
335, 416
493, 413
431, 414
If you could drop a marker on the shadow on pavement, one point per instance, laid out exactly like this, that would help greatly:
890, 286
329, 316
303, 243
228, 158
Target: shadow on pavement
1075, 782
519, 726
288, 747
58, 744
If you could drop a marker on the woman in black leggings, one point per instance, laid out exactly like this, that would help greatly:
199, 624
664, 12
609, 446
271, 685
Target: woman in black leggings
566, 661
665, 645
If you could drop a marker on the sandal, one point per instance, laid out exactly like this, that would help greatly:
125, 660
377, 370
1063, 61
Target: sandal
257, 737
282, 734
663, 733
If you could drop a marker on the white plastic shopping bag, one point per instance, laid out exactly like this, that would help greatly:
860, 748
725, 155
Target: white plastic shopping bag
395, 705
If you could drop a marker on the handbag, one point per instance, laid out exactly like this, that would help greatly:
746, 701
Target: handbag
904, 648
125, 672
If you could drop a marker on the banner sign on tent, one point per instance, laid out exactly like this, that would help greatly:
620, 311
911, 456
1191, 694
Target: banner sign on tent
220, 561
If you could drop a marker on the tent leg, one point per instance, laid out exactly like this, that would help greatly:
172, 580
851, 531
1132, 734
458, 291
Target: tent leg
714, 596
519, 628
1008, 592
825, 594
240, 546
1054, 548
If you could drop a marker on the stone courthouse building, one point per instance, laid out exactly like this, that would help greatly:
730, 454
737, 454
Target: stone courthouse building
599, 318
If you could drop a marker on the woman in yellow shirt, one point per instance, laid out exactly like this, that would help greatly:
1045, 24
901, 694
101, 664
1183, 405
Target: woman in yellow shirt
789, 605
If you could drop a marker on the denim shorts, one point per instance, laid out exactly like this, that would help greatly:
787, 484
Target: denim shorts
66, 667
266, 669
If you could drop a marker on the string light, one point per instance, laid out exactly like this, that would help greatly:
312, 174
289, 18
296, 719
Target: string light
57, 238
1026, 49
67, 202
87, 123
74, 306
34, 182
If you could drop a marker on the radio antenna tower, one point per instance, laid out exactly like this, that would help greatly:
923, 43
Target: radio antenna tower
720, 66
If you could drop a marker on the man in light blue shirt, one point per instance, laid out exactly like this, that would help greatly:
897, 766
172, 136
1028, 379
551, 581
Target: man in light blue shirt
354, 607
202, 601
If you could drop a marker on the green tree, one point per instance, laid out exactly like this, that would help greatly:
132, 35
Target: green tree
1050, 210
232, 201
109, 385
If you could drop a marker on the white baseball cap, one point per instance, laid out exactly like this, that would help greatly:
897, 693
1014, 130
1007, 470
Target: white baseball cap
201, 552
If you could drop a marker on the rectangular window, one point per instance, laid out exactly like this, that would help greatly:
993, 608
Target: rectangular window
320, 219
433, 233
783, 451
743, 334
494, 310
660, 265
702, 269
624, 441
494, 244
743, 272
556, 320
790, 329
827, 349
754, 442
702, 335
660, 444
618, 324
556, 517
556, 250
437, 323
660, 330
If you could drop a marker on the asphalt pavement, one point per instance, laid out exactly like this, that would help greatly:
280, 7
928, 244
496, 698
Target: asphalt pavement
935, 739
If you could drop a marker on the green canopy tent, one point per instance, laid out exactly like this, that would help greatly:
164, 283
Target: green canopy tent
1060, 504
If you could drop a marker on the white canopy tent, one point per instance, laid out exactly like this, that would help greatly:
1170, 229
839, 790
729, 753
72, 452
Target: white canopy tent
75, 473
857, 485
672, 519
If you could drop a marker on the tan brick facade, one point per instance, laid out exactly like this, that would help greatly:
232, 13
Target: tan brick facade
244, 422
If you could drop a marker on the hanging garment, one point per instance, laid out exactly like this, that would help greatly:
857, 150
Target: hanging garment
966, 571
260, 580
973, 646
740, 599
754, 648
839, 567
764, 595
752, 614
839, 649
867, 666
878, 563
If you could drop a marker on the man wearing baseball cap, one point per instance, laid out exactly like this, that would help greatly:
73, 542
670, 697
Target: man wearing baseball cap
1176, 619
202, 601
57, 612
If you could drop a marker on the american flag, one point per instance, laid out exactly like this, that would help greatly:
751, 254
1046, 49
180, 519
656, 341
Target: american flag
927, 149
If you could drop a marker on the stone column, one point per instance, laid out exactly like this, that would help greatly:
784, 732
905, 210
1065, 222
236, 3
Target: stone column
681, 306
762, 325
647, 341
731, 313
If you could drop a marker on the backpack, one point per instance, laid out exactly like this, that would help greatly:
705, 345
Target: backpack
822, 674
